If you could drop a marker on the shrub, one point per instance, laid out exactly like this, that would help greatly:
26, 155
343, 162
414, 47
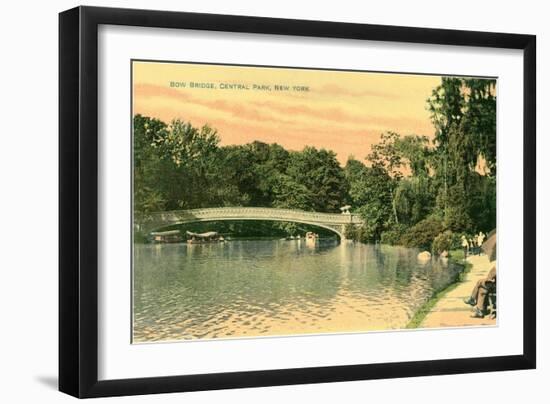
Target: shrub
393, 235
364, 234
423, 233
458, 220
444, 242
350, 231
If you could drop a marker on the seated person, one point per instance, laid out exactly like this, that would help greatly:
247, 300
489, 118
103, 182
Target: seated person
479, 296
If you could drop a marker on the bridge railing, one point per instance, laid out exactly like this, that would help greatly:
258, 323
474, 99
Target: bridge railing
253, 212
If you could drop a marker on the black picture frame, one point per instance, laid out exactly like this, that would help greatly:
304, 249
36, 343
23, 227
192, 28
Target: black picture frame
78, 200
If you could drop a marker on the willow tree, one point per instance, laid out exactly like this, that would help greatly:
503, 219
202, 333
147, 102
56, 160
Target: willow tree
463, 112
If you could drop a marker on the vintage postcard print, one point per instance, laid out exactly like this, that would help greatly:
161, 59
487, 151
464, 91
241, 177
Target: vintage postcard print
271, 201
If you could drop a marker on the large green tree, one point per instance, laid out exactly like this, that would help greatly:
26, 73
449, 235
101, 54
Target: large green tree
371, 197
148, 165
321, 178
463, 112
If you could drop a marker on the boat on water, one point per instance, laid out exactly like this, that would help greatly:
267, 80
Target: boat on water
170, 236
311, 235
311, 238
203, 238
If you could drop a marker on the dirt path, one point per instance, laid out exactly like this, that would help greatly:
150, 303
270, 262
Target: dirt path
450, 310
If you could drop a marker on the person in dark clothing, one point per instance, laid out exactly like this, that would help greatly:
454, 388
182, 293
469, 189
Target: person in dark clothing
479, 297
465, 246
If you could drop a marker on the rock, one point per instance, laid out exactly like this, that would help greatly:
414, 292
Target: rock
444, 254
424, 256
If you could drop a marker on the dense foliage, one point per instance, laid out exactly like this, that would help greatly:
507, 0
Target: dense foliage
178, 166
409, 190
433, 191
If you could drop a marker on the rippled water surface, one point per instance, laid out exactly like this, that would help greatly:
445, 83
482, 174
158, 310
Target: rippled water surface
276, 287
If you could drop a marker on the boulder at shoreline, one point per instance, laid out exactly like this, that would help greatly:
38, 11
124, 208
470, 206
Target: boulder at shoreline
424, 256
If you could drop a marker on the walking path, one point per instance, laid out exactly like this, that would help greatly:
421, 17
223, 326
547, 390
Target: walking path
450, 310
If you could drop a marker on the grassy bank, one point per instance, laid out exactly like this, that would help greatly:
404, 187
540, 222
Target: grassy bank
457, 256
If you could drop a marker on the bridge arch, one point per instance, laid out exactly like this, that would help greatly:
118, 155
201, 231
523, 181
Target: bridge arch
338, 232
330, 221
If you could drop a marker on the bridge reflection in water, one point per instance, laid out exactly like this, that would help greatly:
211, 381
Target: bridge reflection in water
331, 221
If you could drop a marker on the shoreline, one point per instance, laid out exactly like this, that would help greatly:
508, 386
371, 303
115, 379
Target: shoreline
446, 307
419, 316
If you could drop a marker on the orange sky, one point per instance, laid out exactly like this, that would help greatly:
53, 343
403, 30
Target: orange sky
341, 111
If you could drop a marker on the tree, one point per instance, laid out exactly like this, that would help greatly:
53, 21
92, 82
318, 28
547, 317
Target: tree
320, 176
148, 165
480, 118
413, 199
393, 154
289, 194
371, 195
385, 156
415, 153
464, 115
446, 106
196, 165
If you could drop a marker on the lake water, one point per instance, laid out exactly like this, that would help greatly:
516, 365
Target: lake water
252, 288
